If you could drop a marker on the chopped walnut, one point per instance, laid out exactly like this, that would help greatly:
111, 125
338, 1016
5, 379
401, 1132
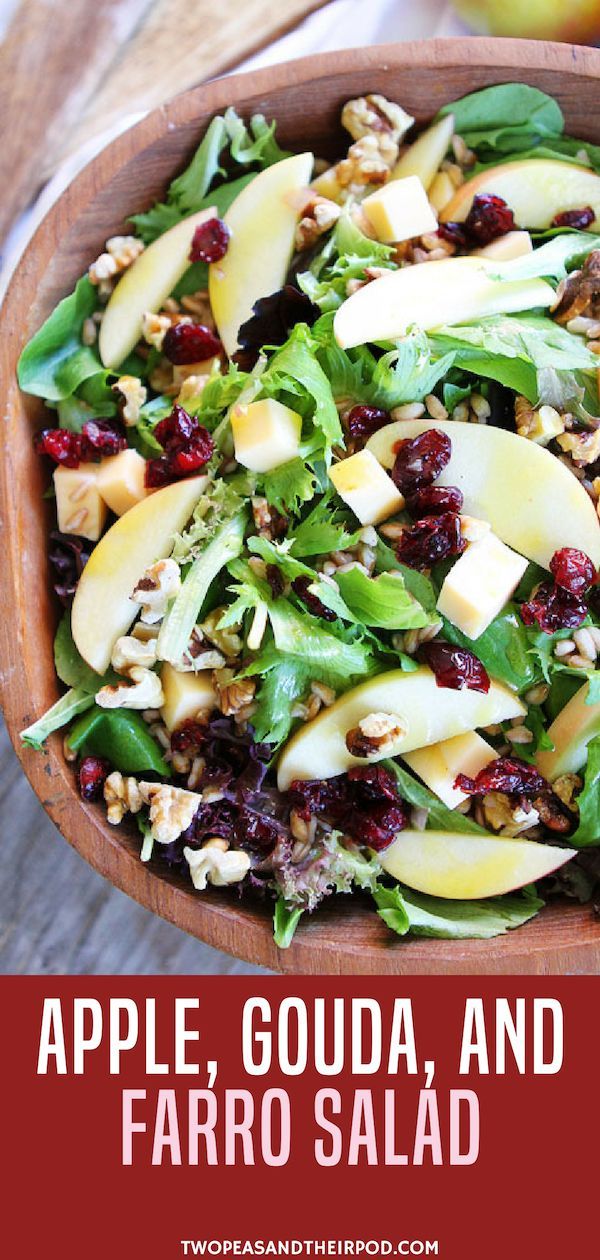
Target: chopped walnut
122, 796
144, 691
365, 164
154, 328
191, 387
501, 815
159, 584
579, 294
130, 650
120, 252
567, 787
318, 215
199, 654
131, 395
539, 424
553, 813
370, 273
320, 695
234, 695
216, 864
226, 640
269, 522
198, 306
376, 734
584, 448
373, 113
172, 810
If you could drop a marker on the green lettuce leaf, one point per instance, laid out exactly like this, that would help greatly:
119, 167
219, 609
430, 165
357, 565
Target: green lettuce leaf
504, 649
70, 665
55, 362
285, 922
226, 542
404, 910
295, 370
382, 602
289, 486
588, 829
325, 529
75, 701
439, 817
505, 119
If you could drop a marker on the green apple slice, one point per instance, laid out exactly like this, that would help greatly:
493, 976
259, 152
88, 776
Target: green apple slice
536, 189
428, 714
447, 291
145, 286
458, 865
262, 222
570, 732
426, 154
533, 503
103, 609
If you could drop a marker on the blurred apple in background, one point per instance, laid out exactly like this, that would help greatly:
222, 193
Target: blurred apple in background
576, 21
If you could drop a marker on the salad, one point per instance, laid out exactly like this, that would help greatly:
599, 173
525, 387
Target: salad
324, 442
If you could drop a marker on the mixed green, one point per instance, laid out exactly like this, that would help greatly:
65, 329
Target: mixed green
326, 460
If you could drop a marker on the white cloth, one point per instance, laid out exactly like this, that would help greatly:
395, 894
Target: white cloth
341, 24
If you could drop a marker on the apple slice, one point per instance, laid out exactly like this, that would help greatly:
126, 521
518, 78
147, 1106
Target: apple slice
570, 732
262, 222
426, 153
103, 609
426, 712
533, 503
536, 189
145, 286
447, 291
458, 865
505, 248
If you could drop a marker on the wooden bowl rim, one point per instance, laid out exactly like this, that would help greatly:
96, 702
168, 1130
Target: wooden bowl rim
245, 931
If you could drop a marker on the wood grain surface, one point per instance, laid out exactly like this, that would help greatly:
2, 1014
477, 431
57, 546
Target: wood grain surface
305, 96
70, 69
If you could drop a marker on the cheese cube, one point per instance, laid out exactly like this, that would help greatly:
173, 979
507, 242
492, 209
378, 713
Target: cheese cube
366, 487
185, 695
400, 210
327, 185
265, 434
480, 584
79, 506
512, 245
442, 191
121, 480
439, 764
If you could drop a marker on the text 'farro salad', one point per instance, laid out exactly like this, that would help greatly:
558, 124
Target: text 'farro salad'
326, 448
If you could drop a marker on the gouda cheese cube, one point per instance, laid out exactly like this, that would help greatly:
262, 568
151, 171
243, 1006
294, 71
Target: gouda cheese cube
439, 764
366, 487
79, 506
265, 434
480, 584
186, 695
400, 210
121, 480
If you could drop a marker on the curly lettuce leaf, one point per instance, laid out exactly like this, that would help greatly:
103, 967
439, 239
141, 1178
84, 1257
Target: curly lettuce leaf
55, 362
289, 486
382, 602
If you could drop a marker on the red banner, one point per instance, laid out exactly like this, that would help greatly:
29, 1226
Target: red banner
163, 1117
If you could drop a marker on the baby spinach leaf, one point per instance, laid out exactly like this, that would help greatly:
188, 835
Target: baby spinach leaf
122, 737
404, 910
439, 817
70, 665
74, 701
504, 649
505, 118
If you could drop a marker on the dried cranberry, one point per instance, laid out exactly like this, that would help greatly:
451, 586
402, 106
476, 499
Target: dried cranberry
315, 606
275, 579
488, 218
420, 460
572, 570
580, 219
373, 783
103, 437
91, 775
553, 609
271, 323
505, 774
317, 796
257, 830
210, 241
176, 428
61, 445
191, 734
188, 446
434, 500
190, 343
379, 825
455, 667
433, 538
68, 554
454, 233
362, 420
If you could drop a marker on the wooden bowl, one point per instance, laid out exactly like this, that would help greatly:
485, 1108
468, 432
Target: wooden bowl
305, 97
